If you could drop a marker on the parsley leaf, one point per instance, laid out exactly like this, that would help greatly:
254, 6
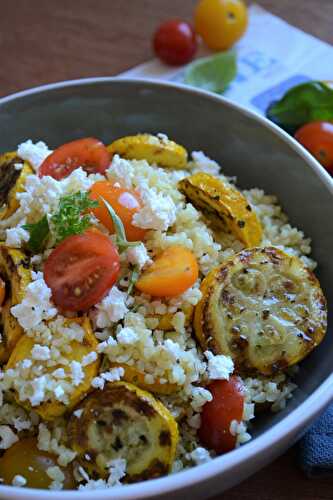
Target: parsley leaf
71, 217
39, 232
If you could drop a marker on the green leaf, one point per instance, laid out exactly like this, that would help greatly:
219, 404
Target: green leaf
302, 104
71, 217
212, 73
133, 279
39, 232
122, 242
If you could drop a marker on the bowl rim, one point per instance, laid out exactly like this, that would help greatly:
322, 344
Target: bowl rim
287, 428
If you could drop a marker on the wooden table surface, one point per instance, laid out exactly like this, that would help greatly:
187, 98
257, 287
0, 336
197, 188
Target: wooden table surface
47, 41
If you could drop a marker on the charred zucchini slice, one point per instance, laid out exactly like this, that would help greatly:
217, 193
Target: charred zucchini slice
53, 408
152, 148
122, 421
12, 180
263, 308
15, 270
225, 206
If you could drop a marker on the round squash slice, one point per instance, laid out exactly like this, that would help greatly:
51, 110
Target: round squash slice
263, 308
123, 421
12, 181
154, 149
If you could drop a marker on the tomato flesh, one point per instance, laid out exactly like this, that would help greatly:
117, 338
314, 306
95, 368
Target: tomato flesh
125, 202
81, 270
220, 23
227, 405
172, 273
25, 459
88, 153
175, 42
317, 138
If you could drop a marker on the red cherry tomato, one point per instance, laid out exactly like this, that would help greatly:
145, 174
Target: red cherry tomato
317, 138
88, 153
227, 405
125, 203
81, 270
175, 42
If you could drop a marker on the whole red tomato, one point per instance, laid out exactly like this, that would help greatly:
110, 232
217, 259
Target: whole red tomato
175, 42
317, 137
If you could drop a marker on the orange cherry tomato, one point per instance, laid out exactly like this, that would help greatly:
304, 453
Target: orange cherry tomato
227, 405
88, 153
220, 23
25, 459
125, 203
2, 291
81, 270
173, 272
317, 138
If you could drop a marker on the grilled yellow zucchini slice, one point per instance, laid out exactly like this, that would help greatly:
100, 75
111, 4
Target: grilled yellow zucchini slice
12, 181
123, 421
263, 308
53, 408
15, 270
225, 206
152, 148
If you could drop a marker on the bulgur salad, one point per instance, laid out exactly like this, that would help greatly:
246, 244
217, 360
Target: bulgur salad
149, 310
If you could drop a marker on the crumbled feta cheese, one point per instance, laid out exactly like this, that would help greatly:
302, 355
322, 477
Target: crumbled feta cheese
36, 305
219, 366
89, 358
78, 413
77, 373
57, 476
112, 375
15, 236
7, 437
158, 211
112, 308
41, 352
203, 163
127, 336
200, 397
138, 256
35, 154
199, 456
19, 480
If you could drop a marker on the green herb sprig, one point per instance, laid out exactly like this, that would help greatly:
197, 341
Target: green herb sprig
121, 239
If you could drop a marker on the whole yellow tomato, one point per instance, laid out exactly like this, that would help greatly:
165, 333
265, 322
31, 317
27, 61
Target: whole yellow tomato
220, 23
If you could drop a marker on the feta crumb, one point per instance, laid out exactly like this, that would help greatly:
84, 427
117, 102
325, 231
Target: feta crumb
199, 456
200, 396
7, 437
41, 352
77, 373
158, 211
203, 163
89, 358
15, 236
19, 480
219, 366
127, 336
57, 476
36, 305
112, 375
112, 308
35, 154
138, 256
78, 413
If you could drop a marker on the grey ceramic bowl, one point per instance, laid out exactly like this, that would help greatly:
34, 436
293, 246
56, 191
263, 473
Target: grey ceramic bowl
247, 146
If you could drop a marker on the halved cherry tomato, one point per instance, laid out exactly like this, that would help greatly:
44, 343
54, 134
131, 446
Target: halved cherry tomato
125, 203
175, 42
227, 405
81, 270
220, 22
2, 291
317, 138
25, 459
173, 272
88, 153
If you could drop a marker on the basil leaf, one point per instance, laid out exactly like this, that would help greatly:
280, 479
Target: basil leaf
39, 232
302, 104
212, 73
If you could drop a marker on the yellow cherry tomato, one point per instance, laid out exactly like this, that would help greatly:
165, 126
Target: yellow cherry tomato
25, 459
220, 23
